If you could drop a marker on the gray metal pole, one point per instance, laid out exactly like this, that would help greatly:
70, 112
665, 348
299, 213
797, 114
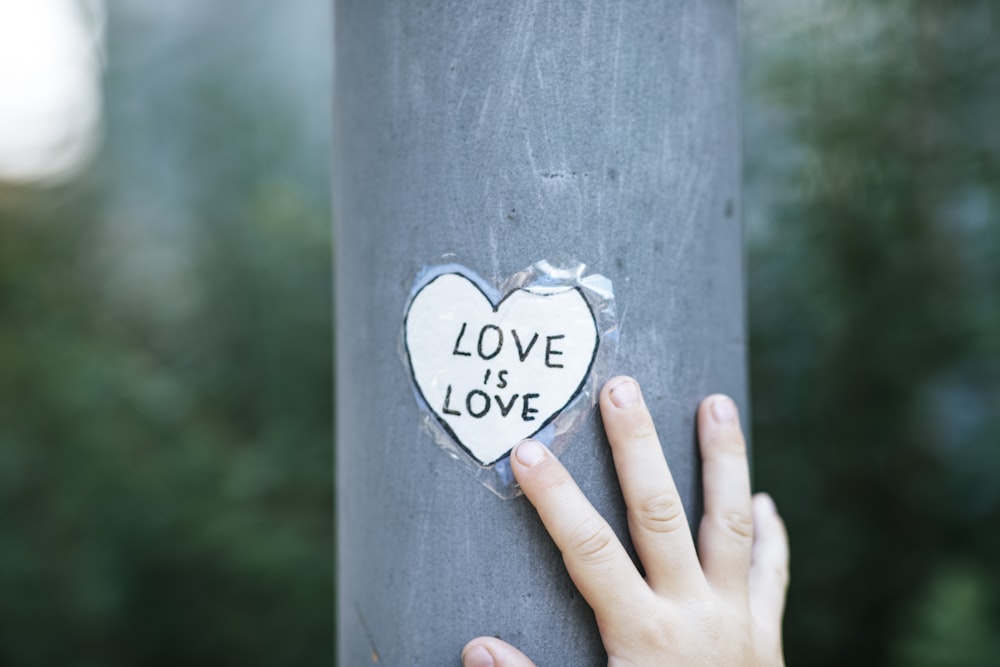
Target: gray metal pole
507, 133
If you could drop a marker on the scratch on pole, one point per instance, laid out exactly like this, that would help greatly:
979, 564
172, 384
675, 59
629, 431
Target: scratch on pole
368, 633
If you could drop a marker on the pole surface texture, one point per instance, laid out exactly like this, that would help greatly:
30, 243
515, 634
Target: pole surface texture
507, 133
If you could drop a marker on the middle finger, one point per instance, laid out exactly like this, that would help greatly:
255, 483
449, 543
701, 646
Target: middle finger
656, 517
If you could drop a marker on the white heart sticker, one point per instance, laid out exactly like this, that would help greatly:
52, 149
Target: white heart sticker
496, 373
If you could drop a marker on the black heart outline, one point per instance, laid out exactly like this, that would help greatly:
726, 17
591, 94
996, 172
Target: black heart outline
496, 308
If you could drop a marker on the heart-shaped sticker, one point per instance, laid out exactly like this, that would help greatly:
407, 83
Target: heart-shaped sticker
496, 372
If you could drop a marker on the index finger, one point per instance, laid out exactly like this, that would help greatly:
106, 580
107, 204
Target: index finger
594, 557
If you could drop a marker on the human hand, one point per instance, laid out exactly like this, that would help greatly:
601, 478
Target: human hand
723, 610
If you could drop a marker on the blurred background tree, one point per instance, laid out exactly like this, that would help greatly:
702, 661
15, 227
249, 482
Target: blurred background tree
872, 202
165, 340
165, 356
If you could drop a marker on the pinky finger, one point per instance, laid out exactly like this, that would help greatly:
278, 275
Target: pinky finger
769, 567
493, 652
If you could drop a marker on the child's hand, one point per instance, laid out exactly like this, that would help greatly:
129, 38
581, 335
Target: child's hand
724, 609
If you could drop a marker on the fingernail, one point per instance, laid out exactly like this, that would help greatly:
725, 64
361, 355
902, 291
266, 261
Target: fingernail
724, 410
477, 656
625, 394
529, 453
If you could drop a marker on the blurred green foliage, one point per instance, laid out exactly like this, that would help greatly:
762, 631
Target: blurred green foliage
165, 347
872, 206
165, 358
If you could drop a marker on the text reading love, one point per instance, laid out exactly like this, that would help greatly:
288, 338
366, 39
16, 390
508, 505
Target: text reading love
494, 374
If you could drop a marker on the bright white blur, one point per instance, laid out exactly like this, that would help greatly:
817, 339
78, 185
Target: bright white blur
50, 87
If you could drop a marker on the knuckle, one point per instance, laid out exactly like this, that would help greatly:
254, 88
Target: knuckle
641, 428
655, 630
661, 513
729, 444
553, 483
738, 524
592, 540
547, 482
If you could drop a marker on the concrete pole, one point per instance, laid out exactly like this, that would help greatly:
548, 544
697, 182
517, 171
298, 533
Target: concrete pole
509, 132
